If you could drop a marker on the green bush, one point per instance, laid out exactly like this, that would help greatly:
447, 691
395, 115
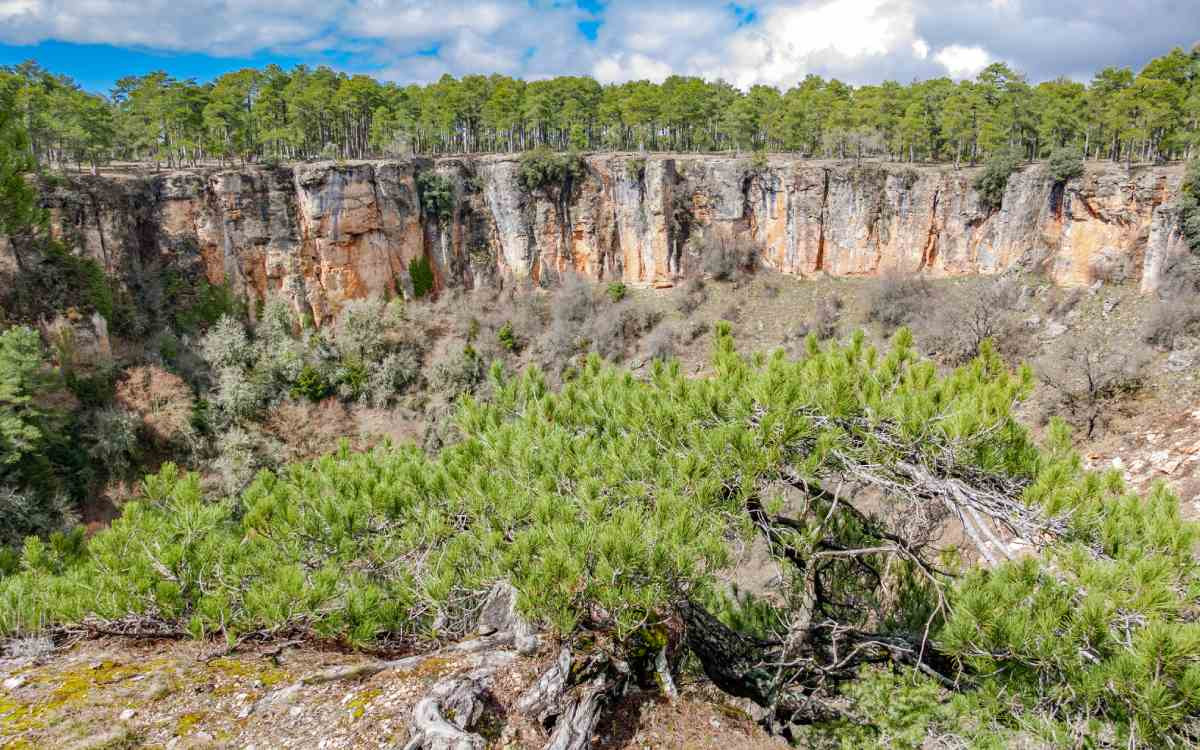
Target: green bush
992, 181
1065, 163
203, 304
617, 291
635, 169
312, 385
542, 168
56, 280
1189, 205
421, 273
436, 194
508, 338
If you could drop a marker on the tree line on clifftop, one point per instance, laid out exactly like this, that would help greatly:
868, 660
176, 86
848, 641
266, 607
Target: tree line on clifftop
275, 114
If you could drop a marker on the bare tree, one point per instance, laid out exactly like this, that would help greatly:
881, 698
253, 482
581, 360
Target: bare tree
1090, 377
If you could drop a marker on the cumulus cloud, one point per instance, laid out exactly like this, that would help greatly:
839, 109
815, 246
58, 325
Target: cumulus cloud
768, 41
963, 62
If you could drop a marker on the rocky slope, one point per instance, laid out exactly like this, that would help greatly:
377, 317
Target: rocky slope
324, 233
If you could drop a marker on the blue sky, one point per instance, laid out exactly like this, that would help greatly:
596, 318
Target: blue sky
744, 42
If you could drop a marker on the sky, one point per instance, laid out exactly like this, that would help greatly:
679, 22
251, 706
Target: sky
744, 42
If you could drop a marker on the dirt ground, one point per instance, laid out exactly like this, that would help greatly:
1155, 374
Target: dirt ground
117, 694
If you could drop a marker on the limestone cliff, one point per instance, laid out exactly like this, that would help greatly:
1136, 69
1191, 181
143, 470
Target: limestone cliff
323, 233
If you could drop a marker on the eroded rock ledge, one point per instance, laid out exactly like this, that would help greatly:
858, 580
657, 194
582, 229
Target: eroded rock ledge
326, 232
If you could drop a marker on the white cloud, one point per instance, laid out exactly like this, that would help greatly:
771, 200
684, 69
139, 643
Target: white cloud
781, 42
630, 67
963, 62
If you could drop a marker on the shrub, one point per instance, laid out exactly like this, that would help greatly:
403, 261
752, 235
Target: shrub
1063, 301
759, 162
25, 513
614, 333
112, 438
312, 385
458, 372
275, 323
421, 273
162, 401
1168, 320
617, 291
204, 303
992, 181
542, 169
391, 376
1188, 205
359, 331
94, 387
660, 344
691, 296
619, 503
635, 169
226, 345
1065, 163
574, 301
508, 338
961, 321
237, 395
829, 312
241, 455
726, 260
436, 194
1089, 378
896, 298
25, 430
54, 279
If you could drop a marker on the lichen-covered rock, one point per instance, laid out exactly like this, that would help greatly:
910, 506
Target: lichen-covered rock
320, 234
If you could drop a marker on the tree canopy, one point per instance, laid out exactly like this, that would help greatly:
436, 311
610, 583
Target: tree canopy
305, 112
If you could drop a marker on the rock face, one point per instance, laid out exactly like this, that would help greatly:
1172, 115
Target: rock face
320, 234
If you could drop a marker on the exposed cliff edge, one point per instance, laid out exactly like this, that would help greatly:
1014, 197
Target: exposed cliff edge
323, 233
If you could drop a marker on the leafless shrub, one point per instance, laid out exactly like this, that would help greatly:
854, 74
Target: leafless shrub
164, 403
691, 296
896, 299
694, 330
828, 314
1089, 378
612, 333
727, 260
575, 300
661, 343
732, 313
310, 430
960, 323
1063, 301
1168, 320
1110, 270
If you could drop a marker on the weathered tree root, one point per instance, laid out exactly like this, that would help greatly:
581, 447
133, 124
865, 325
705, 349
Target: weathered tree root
571, 695
441, 719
